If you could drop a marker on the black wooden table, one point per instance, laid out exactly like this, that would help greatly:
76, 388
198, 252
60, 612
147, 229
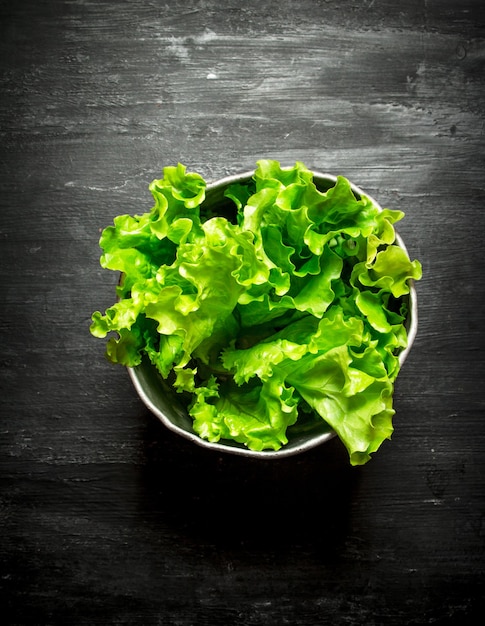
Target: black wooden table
106, 517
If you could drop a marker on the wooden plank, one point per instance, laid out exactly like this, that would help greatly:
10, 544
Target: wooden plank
106, 517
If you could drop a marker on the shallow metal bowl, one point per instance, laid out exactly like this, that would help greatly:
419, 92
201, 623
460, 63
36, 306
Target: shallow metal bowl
165, 403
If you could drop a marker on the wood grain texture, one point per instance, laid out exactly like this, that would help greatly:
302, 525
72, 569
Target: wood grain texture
107, 518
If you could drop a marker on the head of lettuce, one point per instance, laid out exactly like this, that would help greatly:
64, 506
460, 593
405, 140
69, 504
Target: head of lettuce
288, 309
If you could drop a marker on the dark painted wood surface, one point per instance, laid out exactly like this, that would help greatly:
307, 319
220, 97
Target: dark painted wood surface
107, 518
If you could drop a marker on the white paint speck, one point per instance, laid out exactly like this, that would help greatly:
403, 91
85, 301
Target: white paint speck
177, 48
207, 36
434, 501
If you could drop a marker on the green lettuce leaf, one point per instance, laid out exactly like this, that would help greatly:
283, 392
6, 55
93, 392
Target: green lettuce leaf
290, 309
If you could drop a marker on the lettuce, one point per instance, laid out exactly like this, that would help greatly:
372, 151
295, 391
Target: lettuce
292, 303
